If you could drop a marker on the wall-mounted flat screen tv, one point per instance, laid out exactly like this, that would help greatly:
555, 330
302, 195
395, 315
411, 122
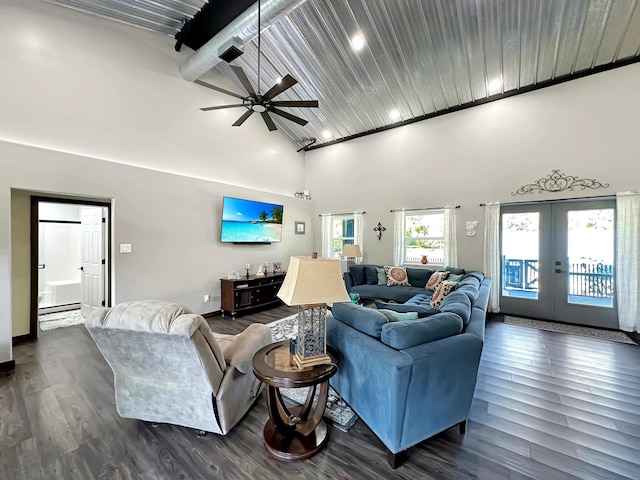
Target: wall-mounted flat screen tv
248, 221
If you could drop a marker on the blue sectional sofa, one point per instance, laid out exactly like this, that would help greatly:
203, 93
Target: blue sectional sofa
409, 380
363, 279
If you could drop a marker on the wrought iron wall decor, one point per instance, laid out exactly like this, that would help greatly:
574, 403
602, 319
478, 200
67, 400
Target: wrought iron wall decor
557, 182
379, 229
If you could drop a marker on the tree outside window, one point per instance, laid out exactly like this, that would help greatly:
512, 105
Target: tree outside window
424, 236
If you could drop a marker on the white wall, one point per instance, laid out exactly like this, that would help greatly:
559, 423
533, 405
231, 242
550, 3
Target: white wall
586, 128
78, 89
172, 223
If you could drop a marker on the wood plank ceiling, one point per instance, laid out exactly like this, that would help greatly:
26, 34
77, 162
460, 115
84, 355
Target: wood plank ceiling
418, 58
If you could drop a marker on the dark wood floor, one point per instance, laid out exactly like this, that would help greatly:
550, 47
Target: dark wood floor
547, 406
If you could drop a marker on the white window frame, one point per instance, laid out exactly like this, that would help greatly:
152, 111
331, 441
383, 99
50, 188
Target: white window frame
342, 239
441, 238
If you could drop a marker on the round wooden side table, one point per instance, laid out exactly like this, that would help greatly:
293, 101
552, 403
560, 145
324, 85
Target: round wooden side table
293, 433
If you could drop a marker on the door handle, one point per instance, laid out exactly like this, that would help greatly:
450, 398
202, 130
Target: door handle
81, 268
41, 266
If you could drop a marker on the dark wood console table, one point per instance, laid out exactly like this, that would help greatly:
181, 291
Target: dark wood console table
245, 294
293, 433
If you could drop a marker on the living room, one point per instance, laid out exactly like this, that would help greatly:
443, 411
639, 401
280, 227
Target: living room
97, 110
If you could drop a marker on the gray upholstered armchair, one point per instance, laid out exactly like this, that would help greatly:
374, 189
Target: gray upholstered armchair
169, 367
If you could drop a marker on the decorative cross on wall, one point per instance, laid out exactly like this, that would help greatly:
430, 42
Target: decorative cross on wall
379, 229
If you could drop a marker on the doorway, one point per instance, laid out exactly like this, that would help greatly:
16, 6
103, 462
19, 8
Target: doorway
558, 261
69, 261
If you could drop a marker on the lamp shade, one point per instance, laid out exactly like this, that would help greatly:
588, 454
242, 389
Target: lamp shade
351, 251
313, 281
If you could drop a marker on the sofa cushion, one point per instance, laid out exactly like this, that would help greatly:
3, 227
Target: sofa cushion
393, 316
382, 276
418, 277
455, 271
366, 320
357, 272
456, 278
402, 335
370, 275
435, 279
382, 292
469, 291
458, 303
423, 310
397, 276
444, 289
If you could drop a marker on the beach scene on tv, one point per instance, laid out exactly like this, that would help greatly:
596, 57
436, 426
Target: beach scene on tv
250, 221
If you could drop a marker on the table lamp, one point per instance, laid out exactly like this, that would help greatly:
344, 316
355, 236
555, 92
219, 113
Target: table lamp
310, 284
351, 252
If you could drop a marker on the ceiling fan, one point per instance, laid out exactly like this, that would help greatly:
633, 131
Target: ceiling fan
261, 103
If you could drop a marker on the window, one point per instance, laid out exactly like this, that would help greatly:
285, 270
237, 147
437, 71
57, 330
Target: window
424, 237
342, 233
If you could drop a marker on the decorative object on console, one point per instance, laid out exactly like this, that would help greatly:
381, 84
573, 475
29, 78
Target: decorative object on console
379, 229
300, 228
260, 272
247, 266
471, 228
265, 268
557, 182
233, 275
310, 284
277, 268
351, 252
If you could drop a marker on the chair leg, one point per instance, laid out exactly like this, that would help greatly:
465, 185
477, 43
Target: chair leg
463, 427
202, 433
396, 459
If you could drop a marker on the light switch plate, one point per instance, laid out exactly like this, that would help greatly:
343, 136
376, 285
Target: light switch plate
125, 248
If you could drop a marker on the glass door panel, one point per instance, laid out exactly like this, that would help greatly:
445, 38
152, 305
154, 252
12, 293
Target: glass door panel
590, 246
520, 254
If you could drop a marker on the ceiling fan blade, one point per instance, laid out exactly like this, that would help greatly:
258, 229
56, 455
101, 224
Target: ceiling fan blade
220, 107
241, 120
268, 120
243, 79
287, 82
296, 103
218, 89
288, 116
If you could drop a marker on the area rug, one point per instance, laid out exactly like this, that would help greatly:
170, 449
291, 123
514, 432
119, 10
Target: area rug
571, 329
50, 321
338, 413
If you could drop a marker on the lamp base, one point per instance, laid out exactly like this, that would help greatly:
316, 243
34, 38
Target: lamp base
302, 362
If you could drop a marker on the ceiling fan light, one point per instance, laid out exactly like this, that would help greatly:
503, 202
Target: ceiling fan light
258, 108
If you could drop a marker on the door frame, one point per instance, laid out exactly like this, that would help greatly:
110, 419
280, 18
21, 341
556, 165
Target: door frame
34, 237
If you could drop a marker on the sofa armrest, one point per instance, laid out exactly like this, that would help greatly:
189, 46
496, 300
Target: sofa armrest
240, 352
348, 280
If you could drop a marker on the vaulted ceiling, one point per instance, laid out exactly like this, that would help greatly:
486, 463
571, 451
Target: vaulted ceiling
417, 58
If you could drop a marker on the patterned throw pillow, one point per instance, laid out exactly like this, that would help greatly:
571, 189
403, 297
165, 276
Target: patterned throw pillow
443, 289
436, 279
397, 276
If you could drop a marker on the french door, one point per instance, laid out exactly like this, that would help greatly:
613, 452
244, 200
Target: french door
558, 262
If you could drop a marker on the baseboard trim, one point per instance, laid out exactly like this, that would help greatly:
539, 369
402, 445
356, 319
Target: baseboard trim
217, 313
8, 366
21, 339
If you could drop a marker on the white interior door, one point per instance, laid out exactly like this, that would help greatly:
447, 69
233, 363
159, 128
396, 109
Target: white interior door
93, 267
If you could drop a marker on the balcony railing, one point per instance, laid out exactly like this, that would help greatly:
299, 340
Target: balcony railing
585, 279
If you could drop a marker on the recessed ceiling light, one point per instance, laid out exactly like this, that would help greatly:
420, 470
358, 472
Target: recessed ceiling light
278, 80
495, 86
357, 42
394, 114
326, 134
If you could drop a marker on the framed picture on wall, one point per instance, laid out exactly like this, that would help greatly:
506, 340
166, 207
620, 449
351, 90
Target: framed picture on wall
300, 228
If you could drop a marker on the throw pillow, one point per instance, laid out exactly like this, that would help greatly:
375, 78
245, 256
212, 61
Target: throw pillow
382, 277
436, 279
455, 278
397, 316
397, 276
443, 289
